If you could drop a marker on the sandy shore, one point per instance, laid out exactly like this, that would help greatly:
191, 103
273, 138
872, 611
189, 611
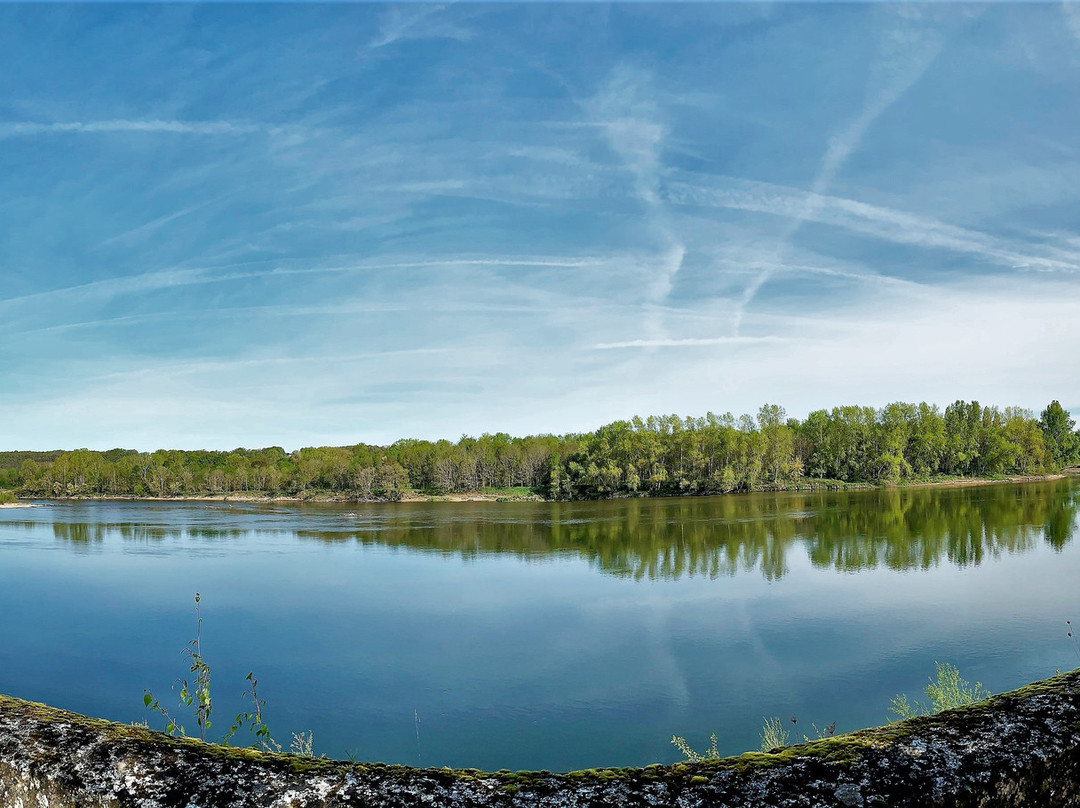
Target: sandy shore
964, 481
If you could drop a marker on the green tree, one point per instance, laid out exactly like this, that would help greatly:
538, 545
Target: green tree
926, 444
1057, 428
777, 445
391, 480
962, 425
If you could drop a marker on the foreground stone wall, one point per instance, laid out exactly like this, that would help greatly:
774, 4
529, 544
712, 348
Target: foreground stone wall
1018, 749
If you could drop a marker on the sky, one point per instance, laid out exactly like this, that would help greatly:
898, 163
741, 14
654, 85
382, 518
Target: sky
250, 225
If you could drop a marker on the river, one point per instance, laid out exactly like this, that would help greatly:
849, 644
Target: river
540, 635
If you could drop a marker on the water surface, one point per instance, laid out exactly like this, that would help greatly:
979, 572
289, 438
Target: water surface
541, 635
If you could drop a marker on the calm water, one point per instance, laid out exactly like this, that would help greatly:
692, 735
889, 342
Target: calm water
553, 636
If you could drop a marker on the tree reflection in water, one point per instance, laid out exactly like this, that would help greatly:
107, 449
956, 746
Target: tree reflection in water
902, 528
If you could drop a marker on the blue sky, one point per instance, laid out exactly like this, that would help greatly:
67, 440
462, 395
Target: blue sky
249, 225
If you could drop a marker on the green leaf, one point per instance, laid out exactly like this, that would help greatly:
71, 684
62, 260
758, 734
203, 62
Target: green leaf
147, 699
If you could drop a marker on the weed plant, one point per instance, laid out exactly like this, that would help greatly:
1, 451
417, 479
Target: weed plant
946, 691
773, 734
692, 755
195, 696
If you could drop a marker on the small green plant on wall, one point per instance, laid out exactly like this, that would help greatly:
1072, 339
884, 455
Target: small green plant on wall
693, 756
946, 691
773, 734
195, 696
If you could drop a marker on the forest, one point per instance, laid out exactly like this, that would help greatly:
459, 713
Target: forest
658, 456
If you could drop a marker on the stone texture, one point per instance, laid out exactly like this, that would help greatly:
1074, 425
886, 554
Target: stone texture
1018, 749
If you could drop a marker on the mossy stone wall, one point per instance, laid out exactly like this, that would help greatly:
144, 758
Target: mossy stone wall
1018, 749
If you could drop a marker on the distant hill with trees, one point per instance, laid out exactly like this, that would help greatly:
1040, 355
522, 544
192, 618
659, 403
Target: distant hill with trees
659, 455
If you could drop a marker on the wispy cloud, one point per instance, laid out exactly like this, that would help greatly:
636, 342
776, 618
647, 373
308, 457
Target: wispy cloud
888, 224
626, 111
172, 369
113, 287
26, 128
178, 277
349, 309
755, 267
143, 230
404, 22
905, 52
1071, 10
688, 342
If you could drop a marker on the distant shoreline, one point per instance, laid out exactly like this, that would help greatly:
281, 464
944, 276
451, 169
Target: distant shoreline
806, 484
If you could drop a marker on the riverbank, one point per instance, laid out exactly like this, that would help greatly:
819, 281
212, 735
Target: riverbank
520, 494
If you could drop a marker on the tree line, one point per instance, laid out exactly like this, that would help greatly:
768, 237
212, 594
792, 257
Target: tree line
659, 455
